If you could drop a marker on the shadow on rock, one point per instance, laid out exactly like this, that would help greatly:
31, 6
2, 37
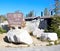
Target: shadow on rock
6, 39
16, 43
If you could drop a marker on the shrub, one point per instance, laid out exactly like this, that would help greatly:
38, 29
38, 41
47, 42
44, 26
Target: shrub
58, 33
55, 42
2, 30
46, 30
54, 25
49, 44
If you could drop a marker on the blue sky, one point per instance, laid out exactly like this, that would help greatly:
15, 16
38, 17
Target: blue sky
7, 6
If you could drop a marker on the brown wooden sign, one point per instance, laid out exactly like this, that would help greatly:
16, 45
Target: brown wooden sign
15, 19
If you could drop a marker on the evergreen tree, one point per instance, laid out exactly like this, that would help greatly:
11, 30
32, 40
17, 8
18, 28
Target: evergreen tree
46, 12
57, 7
54, 25
41, 13
30, 14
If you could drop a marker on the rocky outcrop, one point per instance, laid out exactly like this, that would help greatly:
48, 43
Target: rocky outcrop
18, 36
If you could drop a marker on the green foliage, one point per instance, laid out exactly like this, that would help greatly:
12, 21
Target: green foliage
30, 14
54, 25
2, 18
46, 12
49, 44
2, 31
57, 7
46, 30
55, 42
58, 32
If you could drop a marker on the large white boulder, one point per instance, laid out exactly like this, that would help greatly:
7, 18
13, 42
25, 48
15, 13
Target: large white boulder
18, 36
37, 32
50, 36
31, 25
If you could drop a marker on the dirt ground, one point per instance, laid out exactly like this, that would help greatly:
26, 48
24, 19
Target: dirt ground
36, 42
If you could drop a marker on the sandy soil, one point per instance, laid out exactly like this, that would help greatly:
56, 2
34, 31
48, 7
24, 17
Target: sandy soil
36, 42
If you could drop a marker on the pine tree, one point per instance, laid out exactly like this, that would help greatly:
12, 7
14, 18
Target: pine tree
46, 12
57, 7
30, 14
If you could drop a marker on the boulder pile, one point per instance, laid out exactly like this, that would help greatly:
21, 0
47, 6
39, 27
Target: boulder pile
39, 33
